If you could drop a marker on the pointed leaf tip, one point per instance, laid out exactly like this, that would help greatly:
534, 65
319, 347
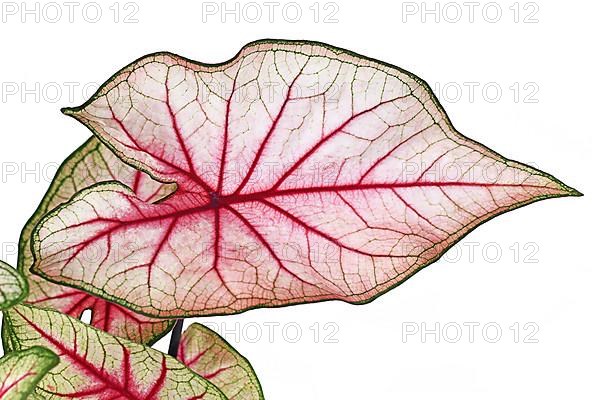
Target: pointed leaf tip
67, 111
567, 190
574, 192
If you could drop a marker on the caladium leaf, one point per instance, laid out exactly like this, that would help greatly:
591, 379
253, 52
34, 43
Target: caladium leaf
13, 286
304, 173
21, 371
210, 356
97, 365
88, 165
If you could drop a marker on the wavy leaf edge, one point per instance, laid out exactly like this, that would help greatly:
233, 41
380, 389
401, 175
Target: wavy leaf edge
119, 187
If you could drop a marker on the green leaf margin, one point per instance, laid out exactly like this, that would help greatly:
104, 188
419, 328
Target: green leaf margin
46, 360
17, 279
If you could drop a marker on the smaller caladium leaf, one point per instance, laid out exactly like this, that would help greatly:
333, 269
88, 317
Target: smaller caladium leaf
96, 365
90, 164
13, 286
209, 355
21, 371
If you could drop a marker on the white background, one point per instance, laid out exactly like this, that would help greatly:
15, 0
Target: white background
368, 358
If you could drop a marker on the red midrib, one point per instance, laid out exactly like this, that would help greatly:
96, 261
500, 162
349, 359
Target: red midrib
228, 200
354, 187
275, 191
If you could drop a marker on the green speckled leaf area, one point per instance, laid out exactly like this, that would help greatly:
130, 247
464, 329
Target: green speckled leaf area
210, 356
13, 287
20, 372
